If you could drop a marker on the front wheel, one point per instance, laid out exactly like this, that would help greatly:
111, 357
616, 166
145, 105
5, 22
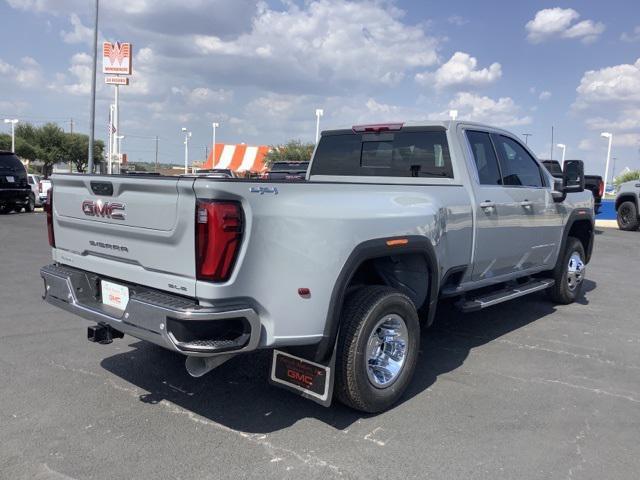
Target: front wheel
377, 349
569, 273
627, 216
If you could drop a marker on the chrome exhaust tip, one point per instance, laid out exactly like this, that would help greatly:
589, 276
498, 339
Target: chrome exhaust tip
199, 366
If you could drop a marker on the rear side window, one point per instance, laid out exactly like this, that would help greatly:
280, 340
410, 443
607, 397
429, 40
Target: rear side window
485, 158
518, 167
419, 153
10, 161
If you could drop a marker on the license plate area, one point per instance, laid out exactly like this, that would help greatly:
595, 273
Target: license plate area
114, 295
310, 379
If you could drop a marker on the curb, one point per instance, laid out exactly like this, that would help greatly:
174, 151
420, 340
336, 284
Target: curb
607, 223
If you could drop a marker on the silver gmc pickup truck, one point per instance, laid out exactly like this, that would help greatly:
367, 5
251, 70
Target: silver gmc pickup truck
627, 212
337, 273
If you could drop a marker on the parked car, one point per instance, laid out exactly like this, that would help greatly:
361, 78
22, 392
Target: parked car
34, 183
15, 192
45, 185
338, 274
627, 205
593, 183
287, 171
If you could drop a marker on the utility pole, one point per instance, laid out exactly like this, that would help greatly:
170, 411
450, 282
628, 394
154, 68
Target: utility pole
71, 132
551, 143
156, 153
526, 137
92, 110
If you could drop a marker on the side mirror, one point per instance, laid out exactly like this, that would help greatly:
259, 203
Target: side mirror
573, 176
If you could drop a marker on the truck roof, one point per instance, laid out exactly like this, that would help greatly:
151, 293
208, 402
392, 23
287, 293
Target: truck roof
446, 124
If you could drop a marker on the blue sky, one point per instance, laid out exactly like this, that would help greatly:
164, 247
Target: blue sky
262, 68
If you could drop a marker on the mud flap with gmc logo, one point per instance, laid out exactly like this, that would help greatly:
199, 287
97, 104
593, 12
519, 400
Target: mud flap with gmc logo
303, 377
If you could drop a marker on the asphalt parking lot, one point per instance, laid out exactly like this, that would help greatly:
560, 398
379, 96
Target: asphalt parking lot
523, 390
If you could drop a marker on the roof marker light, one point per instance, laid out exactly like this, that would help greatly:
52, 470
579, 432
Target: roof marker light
377, 127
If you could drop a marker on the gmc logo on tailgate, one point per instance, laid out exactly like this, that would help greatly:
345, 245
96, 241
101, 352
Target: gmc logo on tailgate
103, 209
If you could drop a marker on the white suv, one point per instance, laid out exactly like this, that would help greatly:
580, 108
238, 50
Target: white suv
34, 183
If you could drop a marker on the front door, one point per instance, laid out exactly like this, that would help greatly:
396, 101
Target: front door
539, 219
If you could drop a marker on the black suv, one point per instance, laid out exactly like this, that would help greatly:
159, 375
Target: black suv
15, 192
288, 171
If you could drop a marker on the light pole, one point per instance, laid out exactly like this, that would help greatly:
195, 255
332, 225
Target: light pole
213, 148
526, 137
606, 168
13, 122
187, 136
564, 149
319, 113
92, 108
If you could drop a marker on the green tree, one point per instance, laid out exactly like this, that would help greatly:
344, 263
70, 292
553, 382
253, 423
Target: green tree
51, 146
627, 177
292, 151
5, 141
28, 133
25, 149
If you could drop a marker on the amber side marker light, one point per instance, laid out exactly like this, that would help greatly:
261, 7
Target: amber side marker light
397, 241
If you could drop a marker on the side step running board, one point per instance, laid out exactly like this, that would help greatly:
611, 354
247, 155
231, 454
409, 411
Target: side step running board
508, 293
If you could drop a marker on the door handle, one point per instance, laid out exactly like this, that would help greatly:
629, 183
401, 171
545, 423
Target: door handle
526, 203
488, 204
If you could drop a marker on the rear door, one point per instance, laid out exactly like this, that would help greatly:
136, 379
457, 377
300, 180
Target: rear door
498, 246
137, 229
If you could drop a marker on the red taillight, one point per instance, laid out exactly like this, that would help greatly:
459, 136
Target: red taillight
219, 228
48, 208
600, 188
376, 128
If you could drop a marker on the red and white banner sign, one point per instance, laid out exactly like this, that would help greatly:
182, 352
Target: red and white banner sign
116, 80
117, 58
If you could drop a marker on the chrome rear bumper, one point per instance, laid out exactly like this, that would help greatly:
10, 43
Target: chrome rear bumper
170, 321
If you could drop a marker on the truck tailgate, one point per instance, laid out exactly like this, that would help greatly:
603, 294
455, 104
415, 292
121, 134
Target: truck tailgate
139, 230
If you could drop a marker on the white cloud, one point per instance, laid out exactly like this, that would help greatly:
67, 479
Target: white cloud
457, 20
586, 144
627, 140
330, 42
28, 74
612, 95
80, 73
558, 23
502, 112
631, 37
202, 96
79, 34
619, 83
461, 70
544, 95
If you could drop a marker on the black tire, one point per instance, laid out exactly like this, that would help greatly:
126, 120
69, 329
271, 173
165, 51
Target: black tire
627, 216
31, 204
362, 312
563, 291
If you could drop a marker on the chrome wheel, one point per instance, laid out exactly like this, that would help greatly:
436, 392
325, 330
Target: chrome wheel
575, 271
387, 350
